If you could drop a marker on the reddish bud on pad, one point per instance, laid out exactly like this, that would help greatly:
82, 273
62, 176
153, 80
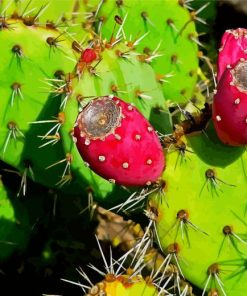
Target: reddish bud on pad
88, 56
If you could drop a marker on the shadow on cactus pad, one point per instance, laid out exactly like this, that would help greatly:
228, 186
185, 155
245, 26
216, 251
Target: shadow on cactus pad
212, 151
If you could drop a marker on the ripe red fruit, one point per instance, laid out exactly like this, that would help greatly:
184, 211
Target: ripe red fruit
88, 56
118, 143
233, 47
230, 105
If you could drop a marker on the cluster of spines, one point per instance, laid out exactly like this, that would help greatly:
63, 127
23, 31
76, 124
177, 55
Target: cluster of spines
164, 278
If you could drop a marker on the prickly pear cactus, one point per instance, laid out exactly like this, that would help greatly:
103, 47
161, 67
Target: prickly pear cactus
163, 33
14, 226
203, 222
87, 99
53, 93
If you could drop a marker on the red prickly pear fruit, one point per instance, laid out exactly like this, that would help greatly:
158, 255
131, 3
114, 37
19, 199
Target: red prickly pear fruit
118, 142
233, 47
88, 56
230, 105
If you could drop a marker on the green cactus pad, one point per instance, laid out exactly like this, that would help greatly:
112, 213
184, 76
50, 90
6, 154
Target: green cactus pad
14, 226
29, 59
205, 220
169, 43
55, 11
63, 15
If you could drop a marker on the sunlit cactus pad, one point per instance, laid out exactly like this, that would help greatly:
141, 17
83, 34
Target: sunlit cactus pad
203, 218
162, 32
